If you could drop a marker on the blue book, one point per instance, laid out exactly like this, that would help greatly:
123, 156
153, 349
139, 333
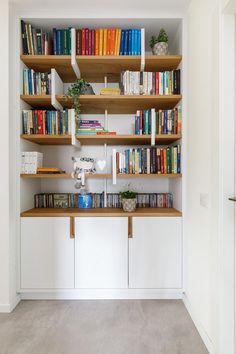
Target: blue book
30, 82
54, 41
135, 42
178, 159
59, 42
167, 81
122, 40
129, 42
132, 41
126, 42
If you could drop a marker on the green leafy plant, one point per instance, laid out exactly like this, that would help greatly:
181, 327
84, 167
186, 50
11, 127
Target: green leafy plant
75, 90
162, 37
128, 195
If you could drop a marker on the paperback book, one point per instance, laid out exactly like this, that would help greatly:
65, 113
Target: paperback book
35, 83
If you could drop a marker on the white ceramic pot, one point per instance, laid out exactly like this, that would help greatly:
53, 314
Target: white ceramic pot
160, 48
129, 204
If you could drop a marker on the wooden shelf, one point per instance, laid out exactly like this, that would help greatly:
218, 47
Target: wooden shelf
38, 101
126, 139
94, 68
42, 139
110, 212
120, 104
100, 175
44, 63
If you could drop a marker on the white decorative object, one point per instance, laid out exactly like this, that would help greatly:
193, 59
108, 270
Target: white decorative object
82, 165
160, 48
101, 164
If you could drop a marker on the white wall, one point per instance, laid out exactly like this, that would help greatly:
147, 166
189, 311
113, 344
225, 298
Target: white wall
201, 228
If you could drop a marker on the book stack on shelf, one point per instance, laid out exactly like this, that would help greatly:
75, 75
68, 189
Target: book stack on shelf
35, 83
70, 200
35, 41
108, 41
46, 122
150, 83
166, 121
30, 161
62, 41
149, 160
90, 127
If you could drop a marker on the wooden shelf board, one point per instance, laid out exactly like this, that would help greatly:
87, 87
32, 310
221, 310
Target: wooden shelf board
120, 104
105, 212
94, 68
42, 139
100, 175
44, 63
37, 101
126, 139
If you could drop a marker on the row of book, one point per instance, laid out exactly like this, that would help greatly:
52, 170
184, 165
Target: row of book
46, 122
108, 41
164, 121
148, 160
30, 161
35, 83
35, 41
62, 41
150, 83
70, 200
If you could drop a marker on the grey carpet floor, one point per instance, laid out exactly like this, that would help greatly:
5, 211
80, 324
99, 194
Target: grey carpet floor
99, 327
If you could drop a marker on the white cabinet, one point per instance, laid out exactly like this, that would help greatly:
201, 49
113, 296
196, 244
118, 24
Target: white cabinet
47, 253
155, 253
101, 252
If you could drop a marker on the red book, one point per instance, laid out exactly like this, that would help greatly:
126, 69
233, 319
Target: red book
83, 41
141, 122
40, 121
108, 41
106, 133
157, 83
89, 42
86, 41
162, 161
93, 42
78, 42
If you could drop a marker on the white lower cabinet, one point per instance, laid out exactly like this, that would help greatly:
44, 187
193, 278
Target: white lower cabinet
47, 253
101, 252
155, 253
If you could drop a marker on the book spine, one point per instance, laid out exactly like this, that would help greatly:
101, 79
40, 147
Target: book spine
129, 50
93, 42
125, 48
83, 41
89, 42
101, 42
108, 51
86, 41
24, 38
122, 39
113, 41
96, 42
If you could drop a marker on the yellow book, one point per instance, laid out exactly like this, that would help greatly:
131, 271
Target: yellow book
105, 41
118, 41
96, 42
101, 42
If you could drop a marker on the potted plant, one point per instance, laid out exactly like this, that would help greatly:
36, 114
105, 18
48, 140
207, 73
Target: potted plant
79, 87
128, 200
159, 44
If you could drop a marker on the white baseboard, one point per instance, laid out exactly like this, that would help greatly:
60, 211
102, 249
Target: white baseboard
206, 339
7, 308
96, 294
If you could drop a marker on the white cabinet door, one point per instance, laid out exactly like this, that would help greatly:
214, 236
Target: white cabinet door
47, 253
155, 253
101, 252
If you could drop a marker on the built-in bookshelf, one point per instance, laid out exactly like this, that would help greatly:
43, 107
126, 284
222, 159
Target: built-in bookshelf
98, 70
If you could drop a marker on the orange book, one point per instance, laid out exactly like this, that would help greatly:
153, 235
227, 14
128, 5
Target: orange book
96, 42
105, 41
165, 164
113, 41
101, 42
109, 41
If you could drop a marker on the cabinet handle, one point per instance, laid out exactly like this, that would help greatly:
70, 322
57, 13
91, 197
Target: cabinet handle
72, 227
130, 227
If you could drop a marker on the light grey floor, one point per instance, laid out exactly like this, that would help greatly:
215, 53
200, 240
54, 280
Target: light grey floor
99, 327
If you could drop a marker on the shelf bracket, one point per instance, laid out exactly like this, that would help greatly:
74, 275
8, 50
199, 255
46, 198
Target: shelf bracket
57, 88
114, 166
72, 227
74, 64
130, 227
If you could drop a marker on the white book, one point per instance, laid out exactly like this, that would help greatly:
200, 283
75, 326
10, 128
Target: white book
149, 83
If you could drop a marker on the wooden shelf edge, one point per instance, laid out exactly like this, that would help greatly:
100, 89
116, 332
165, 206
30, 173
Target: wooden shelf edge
98, 175
102, 212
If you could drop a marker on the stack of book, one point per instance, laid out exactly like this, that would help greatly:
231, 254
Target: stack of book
90, 127
30, 161
150, 83
34, 40
166, 121
35, 83
62, 41
70, 200
108, 41
149, 160
46, 122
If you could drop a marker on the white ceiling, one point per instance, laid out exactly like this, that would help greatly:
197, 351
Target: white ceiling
135, 7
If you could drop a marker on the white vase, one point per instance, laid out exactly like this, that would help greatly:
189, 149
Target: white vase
129, 204
160, 48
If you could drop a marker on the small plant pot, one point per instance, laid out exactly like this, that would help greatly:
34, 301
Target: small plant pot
160, 48
129, 204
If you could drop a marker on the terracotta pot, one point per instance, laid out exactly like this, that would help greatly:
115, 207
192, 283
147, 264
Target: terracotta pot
129, 204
